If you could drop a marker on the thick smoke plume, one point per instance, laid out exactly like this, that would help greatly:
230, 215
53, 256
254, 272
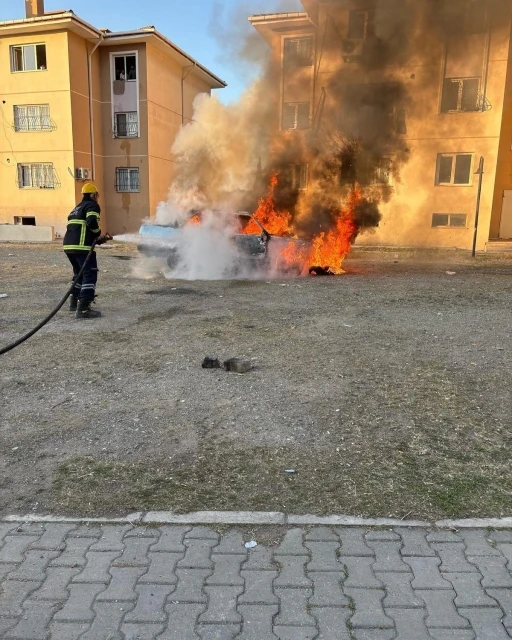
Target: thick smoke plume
354, 136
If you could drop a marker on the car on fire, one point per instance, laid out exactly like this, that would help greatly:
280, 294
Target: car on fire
258, 250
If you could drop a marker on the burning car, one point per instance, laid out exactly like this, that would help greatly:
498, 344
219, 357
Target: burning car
256, 250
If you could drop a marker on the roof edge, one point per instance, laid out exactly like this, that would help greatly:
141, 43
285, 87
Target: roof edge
56, 16
53, 16
266, 17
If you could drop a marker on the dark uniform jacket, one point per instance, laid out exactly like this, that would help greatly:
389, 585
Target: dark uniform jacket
83, 226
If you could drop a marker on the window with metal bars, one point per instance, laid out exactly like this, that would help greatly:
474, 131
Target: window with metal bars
461, 94
298, 52
383, 169
33, 117
454, 169
127, 180
37, 175
296, 115
126, 125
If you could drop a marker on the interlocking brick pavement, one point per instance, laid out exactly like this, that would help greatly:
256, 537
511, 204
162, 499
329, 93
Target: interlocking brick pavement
61, 581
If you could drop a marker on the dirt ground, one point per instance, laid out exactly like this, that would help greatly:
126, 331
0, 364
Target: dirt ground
387, 391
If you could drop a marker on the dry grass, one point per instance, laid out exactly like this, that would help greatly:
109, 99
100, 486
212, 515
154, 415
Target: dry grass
400, 486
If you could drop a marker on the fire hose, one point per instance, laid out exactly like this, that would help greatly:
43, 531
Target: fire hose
53, 313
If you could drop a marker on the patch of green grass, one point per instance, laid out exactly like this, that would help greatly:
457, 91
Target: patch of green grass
221, 478
468, 493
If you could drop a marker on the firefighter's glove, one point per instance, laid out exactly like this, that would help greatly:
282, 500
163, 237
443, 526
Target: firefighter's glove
104, 238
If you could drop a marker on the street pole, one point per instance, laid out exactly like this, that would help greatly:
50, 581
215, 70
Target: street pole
480, 173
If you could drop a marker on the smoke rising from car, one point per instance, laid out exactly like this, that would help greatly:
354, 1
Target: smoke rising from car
204, 251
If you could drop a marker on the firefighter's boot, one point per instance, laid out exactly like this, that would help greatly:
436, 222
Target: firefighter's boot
84, 311
73, 303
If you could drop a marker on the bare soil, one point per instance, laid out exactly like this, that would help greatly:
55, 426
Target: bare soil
387, 390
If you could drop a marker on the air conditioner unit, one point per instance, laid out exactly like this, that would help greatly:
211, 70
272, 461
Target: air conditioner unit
352, 49
82, 173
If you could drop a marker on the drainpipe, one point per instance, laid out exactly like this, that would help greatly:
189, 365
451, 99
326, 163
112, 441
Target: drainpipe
91, 106
184, 76
485, 79
480, 173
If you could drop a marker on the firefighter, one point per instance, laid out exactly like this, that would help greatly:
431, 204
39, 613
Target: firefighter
82, 230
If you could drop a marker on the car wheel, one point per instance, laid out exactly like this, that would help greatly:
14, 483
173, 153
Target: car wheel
172, 259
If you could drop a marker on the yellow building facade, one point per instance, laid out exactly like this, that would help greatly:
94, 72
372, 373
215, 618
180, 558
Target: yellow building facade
83, 104
456, 107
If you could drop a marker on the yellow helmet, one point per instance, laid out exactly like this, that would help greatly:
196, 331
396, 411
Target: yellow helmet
89, 187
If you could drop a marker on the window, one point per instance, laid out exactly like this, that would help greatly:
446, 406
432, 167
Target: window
25, 220
39, 175
360, 24
126, 125
296, 115
454, 169
32, 117
383, 171
461, 94
125, 67
348, 173
299, 176
449, 220
127, 179
28, 57
298, 52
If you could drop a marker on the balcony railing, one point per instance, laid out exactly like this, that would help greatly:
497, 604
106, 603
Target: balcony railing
126, 128
34, 123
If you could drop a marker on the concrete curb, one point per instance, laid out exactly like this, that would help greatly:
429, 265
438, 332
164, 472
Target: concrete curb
267, 518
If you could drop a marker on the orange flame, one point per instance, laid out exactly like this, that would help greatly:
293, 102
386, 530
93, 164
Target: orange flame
194, 221
277, 223
327, 249
330, 248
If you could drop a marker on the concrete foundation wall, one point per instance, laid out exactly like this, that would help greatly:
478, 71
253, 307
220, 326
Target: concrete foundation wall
26, 233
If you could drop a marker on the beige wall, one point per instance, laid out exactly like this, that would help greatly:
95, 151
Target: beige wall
49, 206
124, 210
79, 50
504, 167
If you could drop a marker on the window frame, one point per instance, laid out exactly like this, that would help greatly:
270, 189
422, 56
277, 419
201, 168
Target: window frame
296, 60
129, 171
129, 54
20, 221
12, 49
127, 125
460, 95
384, 168
31, 167
44, 118
452, 182
296, 176
449, 225
296, 116
367, 13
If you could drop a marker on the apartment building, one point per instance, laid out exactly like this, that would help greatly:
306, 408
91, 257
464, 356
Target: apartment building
78, 103
451, 88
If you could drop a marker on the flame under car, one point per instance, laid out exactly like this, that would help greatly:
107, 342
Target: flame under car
258, 251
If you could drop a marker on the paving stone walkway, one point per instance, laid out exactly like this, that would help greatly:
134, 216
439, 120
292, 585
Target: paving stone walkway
125, 582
